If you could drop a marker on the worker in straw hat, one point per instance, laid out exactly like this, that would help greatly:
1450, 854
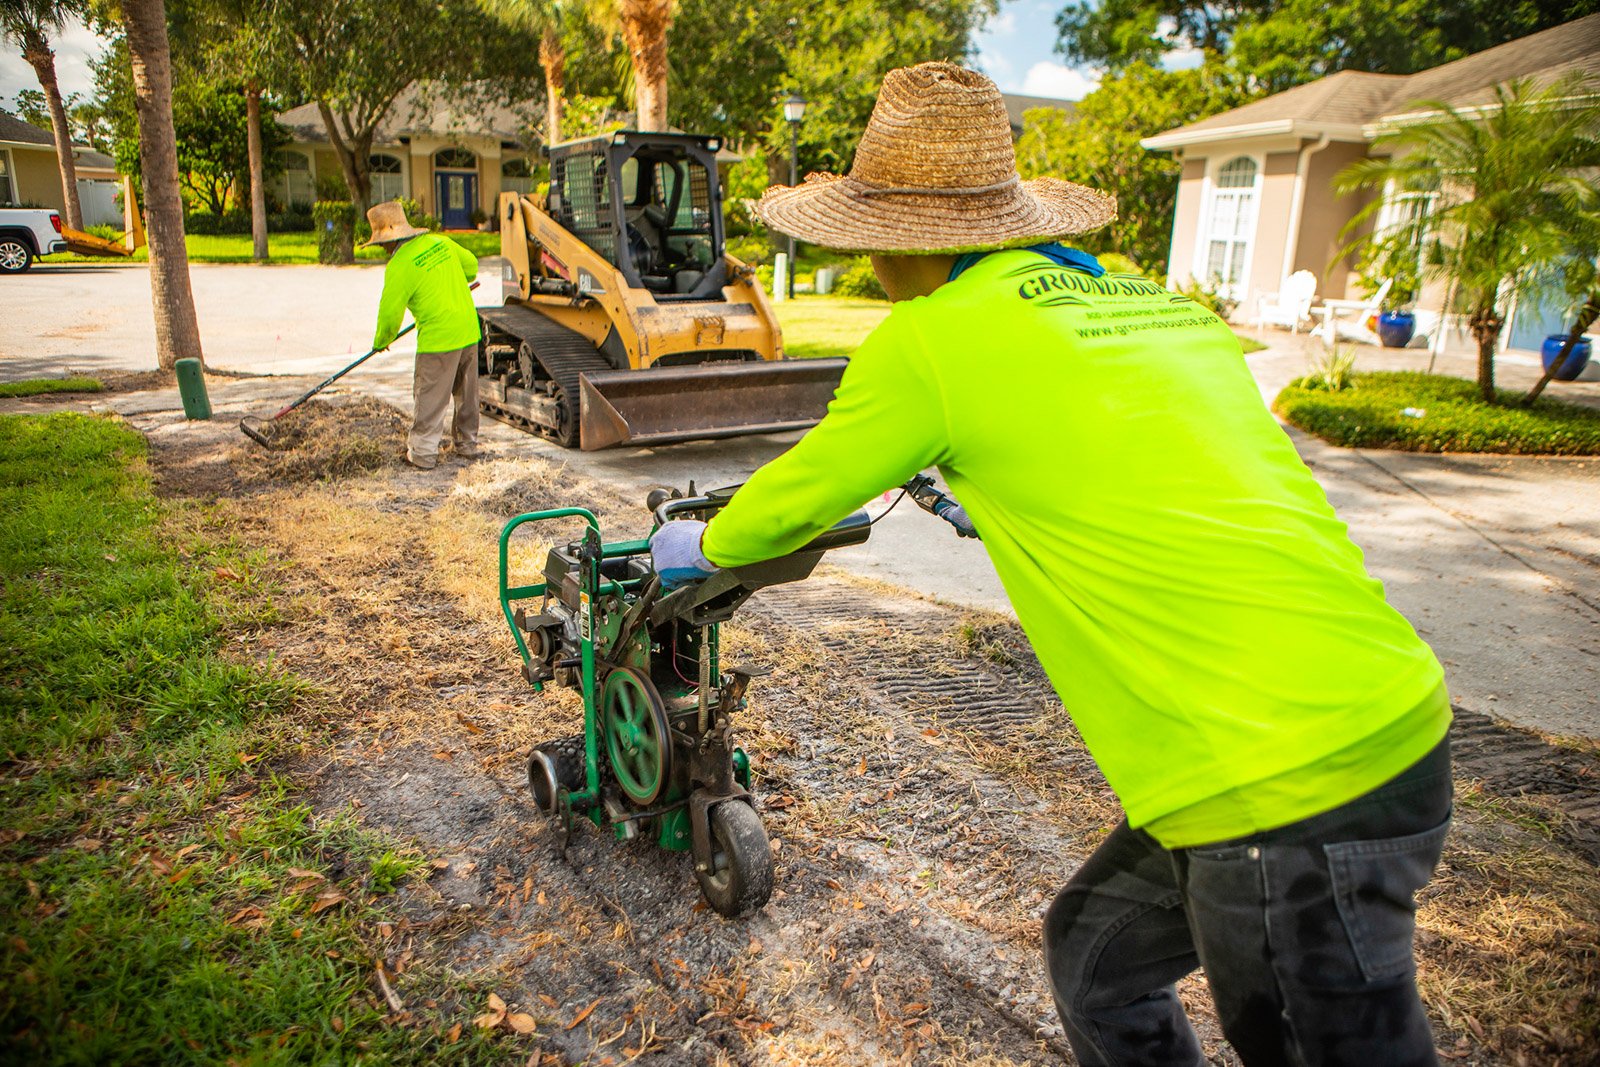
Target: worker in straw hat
431, 274
1275, 731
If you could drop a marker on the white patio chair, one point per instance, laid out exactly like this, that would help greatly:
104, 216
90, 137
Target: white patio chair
1289, 306
1347, 319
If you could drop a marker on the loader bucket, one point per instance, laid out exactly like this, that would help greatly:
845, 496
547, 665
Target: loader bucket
666, 404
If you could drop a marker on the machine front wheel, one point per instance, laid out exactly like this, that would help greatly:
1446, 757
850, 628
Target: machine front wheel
737, 878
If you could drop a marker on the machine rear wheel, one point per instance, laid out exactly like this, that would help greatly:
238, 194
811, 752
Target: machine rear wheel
738, 876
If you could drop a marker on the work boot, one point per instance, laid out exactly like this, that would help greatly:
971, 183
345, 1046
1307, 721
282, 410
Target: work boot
422, 464
466, 451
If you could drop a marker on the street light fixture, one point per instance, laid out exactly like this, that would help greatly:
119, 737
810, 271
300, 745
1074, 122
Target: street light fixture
794, 110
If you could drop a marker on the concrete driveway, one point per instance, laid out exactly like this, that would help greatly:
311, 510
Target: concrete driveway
1495, 559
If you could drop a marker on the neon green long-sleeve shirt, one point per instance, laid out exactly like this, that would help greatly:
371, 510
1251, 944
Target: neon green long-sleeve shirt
425, 275
1201, 611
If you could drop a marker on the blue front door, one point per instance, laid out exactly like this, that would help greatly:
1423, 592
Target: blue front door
457, 195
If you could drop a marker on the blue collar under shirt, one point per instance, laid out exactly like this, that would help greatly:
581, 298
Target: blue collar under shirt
1051, 250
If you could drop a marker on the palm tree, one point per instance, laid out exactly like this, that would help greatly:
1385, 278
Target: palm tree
240, 44
29, 24
1492, 170
177, 329
544, 17
1581, 278
643, 25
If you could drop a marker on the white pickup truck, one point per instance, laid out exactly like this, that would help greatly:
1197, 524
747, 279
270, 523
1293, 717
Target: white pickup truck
27, 233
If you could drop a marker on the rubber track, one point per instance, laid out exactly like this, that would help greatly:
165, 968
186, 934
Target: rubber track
1003, 702
564, 354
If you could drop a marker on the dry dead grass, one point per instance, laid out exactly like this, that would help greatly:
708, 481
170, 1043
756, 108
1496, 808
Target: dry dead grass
389, 585
325, 439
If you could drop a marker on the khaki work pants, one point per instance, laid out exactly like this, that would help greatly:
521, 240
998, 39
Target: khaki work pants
440, 376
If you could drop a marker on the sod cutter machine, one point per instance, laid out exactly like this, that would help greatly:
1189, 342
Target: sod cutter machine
657, 755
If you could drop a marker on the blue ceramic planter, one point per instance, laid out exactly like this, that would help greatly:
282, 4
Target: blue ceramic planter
1576, 361
1396, 328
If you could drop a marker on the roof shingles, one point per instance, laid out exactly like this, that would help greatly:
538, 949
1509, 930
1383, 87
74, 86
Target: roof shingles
1355, 98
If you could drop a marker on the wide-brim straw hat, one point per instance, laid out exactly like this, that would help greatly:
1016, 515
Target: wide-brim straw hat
935, 172
389, 223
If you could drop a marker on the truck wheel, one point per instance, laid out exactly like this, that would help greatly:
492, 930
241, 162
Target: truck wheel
15, 256
738, 878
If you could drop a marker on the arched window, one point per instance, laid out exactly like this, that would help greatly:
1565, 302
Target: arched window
1231, 226
516, 175
387, 180
455, 159
296, 188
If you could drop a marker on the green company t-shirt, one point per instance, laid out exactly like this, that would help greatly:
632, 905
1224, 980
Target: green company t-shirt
425, 274
1201, 611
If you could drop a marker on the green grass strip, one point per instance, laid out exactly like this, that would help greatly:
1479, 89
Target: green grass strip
167, 898
40, 386
1372, 414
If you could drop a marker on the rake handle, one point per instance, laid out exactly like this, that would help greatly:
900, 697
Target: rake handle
336, 375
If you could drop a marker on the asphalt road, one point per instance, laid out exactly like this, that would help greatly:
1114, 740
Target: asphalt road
1495, 559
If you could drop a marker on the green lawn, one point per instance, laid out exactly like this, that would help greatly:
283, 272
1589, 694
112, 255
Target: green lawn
821, 326
168, 898
1446, 415
284, 248
40, 386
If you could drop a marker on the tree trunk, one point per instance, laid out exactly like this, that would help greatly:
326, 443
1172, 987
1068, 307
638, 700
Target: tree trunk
553, 58
1586, 316
1486, 326
177, 328
644, 30
36, 50
258, 184
350, 149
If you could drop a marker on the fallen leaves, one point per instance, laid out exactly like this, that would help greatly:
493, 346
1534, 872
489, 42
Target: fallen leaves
500, 1014
584, 1014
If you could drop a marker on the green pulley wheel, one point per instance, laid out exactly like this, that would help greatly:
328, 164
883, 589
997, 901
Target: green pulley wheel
638, 740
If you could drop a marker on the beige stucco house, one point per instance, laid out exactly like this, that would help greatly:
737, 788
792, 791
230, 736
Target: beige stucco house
451, 158
30, 173
1256, 201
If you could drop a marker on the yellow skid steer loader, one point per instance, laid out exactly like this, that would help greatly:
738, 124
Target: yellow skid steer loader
624, 321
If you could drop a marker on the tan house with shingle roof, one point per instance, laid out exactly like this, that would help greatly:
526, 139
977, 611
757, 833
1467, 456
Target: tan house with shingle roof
1255, 198
451, 156
30, 173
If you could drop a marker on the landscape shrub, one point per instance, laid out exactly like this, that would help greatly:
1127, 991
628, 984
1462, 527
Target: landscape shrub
294, 219
103, 231
1445, 415
859, 281
205, 224
750, 249
335, 225
1209, 298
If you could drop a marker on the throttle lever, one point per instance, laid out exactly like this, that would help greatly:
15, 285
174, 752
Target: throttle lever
929, 498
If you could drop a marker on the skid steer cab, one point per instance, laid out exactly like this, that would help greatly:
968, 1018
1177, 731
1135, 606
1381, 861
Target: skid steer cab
657, 756
625, 321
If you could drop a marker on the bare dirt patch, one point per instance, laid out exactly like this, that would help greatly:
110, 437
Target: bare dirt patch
925, 790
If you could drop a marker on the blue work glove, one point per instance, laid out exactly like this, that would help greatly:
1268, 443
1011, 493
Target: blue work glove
956, 516
675, 551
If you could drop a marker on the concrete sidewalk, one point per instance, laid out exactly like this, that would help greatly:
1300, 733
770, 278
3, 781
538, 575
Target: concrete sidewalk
1495, 559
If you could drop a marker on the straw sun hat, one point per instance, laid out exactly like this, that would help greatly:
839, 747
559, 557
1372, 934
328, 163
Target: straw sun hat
389, 223
935, 172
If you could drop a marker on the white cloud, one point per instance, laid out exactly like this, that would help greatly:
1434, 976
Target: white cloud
1057, 81
996, 65
74, 48
1002, 24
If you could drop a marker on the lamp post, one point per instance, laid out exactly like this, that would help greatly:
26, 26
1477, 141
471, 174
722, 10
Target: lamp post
794, 109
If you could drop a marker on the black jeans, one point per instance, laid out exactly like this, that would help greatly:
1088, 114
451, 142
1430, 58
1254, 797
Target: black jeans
1304, 933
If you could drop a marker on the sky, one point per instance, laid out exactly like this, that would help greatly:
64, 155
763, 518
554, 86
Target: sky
1016, 48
